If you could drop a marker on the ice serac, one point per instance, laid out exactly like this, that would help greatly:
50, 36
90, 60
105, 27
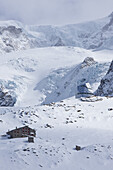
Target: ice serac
106, 85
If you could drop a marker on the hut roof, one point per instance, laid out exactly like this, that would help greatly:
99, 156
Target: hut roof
19, 128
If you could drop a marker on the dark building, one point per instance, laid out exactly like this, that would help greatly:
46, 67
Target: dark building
30, 139
21, 132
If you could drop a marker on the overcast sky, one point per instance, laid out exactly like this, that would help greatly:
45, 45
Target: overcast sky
56, 12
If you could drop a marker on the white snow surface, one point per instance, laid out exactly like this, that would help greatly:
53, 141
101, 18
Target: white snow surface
72, 123
44, 81
34, 77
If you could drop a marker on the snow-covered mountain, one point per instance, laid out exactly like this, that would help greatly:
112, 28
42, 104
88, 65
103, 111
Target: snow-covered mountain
90, 35
64, 82
43, 85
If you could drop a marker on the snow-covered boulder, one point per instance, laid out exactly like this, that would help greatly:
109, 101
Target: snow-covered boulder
106, 86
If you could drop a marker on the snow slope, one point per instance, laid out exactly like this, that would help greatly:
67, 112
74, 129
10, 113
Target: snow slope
44, 83
49, 74
62, 125
63, 83
71, 122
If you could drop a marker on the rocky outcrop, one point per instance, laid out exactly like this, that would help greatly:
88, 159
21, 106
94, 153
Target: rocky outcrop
110, 24
106, 85
6, 99
13, 38
84, 90
88, 62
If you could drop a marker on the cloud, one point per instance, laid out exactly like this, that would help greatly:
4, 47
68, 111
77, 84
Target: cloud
54, 11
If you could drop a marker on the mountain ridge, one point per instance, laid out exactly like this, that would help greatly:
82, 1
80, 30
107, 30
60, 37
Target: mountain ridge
95, 35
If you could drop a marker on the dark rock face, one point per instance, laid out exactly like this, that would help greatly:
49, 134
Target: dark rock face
106, 85
59, 43
107, 26
110, 68
88, 62
12, 29
6, 99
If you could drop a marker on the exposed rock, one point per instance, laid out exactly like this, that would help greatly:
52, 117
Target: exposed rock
48, 126
88, 62
107, 26
78, 148
91, 99
12, 29
84, 90
110, 109
6, 99
59, 43
13, 38
106, 86
110, 68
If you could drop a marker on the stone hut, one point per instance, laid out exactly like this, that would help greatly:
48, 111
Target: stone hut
30, 139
